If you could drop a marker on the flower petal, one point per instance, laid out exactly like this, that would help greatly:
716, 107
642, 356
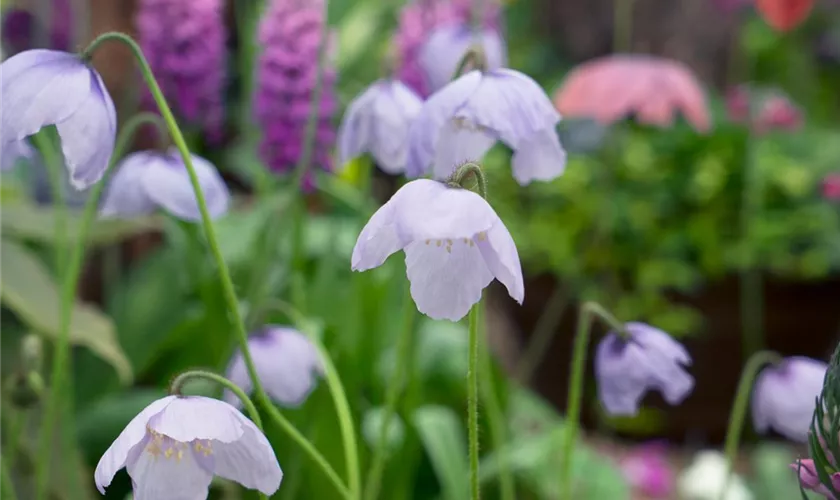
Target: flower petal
195, 417
170, 187
355, 129
250, 461
446, 47
167, 469
287, 364
394, 110
125, 196
378, 239
539, 158
460, 142
502, 259
12, 152
116, 455
237, 373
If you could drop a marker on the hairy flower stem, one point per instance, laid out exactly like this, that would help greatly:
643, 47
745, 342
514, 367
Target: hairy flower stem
398, 382
739, 409
207, 223
178, 383
472, 402
70, 280
588, 312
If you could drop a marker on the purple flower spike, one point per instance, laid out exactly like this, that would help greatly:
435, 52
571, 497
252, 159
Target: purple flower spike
454, 245
446, 46
627, 369
184, 41
174, 447
465, 118
784, 397
148, 180
378, 122
290, 34
287, 364
14, 151
41, 87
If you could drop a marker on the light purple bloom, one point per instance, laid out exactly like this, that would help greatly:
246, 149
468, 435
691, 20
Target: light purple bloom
184, 41
454, 245
377, 122
784, 397
649, 360
465, 118
14, 151
287, 363
148, 180
447, 46
174, 447
47, 87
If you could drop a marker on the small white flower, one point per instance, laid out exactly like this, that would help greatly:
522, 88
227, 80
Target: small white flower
704, 479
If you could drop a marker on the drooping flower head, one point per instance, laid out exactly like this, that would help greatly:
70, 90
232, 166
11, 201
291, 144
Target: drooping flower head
773, 110
784, 395
463, 120
651, 89
377, 122
22, 30
447, 46
648, 470
42, 87
287, 363
290, 34
149, 180
184, 42
649, 359
454, 246
420, 19
174, 447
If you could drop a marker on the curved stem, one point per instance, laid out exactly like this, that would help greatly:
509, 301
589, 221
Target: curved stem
70, 281
472, 401
739, 408
470, 169
588, 311
178, 383
404, 353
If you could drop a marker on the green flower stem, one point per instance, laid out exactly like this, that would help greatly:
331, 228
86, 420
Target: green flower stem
739, 408
178, 383
339, 396
207, 222
495, 412
472, 401
543, 333
588, 312
7, 487
70, 281
53, 163
400, 379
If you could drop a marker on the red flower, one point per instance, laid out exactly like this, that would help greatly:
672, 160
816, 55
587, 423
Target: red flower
784, 15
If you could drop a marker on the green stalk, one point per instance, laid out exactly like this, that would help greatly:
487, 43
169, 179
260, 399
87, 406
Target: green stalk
207, 222
70, 280
472, 402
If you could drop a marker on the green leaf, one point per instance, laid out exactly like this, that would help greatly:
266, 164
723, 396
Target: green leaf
372, 423
442, 434
29, 291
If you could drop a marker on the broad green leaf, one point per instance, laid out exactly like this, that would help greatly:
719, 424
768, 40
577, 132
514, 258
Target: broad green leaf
29, 291
442, 434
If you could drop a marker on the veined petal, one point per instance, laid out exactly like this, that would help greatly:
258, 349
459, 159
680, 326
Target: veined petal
447, 276
460, 142
163, 468
539, 158
250, 461
378, 239
355, 129
439, 108
394, 110
170, 187
499, 252
88, 136
125, 196
195, 417
116, 455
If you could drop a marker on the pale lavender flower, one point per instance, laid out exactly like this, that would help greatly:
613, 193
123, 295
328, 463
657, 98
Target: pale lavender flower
287, 363
454, 245
41, 87
465, 118
174, 447
447, 46
14, 151
648, 360
148, 180
784, 397
377, 122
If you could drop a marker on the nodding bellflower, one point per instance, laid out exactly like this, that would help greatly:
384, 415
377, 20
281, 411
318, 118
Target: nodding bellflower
174, 447
290, 34
377, 122
148, 180
465, 118
454, 246
184, 42
649, 359
287, 363
784, 395
39, 88
446, 47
